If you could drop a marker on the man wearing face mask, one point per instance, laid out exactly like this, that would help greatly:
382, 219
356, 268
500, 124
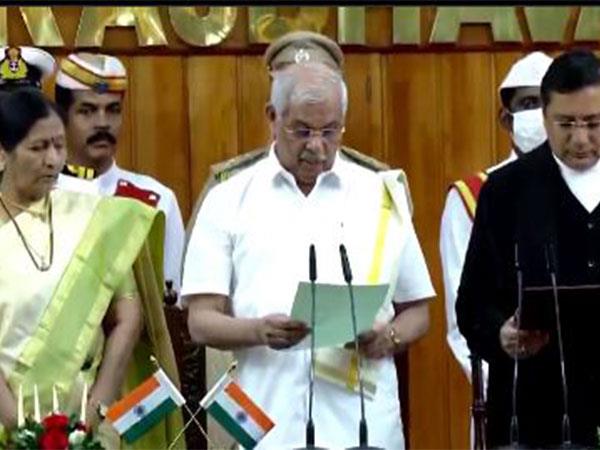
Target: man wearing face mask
521, 115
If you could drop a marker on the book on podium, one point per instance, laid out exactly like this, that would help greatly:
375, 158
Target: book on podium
538, 309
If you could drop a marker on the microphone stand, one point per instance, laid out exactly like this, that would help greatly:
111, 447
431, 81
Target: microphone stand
363, 434
478, 406
566, 422
514, 421
310, 427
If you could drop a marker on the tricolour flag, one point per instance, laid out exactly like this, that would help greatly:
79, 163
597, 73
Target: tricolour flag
229, 405
145, 406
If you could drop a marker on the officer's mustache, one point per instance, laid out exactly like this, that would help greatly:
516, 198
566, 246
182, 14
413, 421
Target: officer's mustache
312, 157
101, 136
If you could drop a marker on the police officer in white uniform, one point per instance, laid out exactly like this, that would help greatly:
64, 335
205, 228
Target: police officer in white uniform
521, 115
90, 87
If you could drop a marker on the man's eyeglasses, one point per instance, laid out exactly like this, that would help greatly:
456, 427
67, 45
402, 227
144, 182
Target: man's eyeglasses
304, 134
568, 126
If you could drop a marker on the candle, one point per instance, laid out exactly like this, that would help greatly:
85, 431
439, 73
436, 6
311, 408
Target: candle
36, 404
20, 415
84, 402
54, 399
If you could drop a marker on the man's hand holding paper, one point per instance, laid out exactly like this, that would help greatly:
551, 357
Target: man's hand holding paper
333, 319
279, 331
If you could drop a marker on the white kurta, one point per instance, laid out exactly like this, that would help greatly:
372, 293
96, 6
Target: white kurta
455, 231
250, 242
106, 184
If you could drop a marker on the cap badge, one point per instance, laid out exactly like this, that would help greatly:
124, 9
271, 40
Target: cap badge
13, 67
101, 87
301, 56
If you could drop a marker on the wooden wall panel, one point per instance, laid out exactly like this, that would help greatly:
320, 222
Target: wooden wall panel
158, 116
459, 404
468, 133
125, 149
468, 113
213, 114
253, 96
412, 140
364, 122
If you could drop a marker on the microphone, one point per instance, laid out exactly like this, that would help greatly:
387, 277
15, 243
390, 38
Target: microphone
363, 434
566, 421
514, 420
312, 276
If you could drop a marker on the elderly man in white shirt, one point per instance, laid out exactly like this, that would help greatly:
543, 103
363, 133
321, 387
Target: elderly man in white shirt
90, 87
521, 115
248, 251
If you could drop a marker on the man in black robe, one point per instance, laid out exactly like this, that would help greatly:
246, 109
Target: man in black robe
541, 213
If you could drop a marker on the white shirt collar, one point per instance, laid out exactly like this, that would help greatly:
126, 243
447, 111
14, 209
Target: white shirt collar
585, 185
277, 172
108, 178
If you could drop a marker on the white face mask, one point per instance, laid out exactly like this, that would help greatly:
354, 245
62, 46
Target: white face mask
528, 129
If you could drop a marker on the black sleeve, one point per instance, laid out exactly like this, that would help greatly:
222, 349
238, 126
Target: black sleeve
479, 308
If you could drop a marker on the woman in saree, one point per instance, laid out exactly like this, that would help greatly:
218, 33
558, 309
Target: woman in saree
80, 303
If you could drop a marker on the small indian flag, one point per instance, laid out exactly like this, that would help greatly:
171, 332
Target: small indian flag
145, 406
229, 405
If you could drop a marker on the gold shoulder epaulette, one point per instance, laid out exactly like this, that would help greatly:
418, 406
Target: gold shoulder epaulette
223, 170
363, 160
83, 172
403, 179
220, 172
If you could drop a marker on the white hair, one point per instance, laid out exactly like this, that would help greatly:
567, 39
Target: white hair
307, 82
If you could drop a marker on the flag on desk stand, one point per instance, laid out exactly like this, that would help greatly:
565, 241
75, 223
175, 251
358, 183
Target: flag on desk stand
231, 407
145, 406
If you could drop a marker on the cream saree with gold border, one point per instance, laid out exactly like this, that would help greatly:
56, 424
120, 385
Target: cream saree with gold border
50, 322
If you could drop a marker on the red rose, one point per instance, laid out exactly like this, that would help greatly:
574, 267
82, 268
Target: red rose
59, 421
54, 439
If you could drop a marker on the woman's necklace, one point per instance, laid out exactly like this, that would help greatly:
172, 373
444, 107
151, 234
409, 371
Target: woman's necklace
42, 265
33, 211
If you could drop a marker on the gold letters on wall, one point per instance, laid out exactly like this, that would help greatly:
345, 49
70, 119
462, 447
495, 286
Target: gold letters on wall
42, 27
505, 26
210, 29
545, 24
351, 25
3, 27
407, 25
94, 21
265, 25
588, 24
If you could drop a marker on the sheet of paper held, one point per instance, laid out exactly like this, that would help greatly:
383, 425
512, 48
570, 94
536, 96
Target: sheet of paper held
333, 319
